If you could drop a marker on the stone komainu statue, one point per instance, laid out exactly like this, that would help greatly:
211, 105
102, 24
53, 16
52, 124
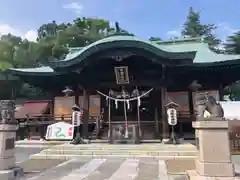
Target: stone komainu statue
207, 102
7, 110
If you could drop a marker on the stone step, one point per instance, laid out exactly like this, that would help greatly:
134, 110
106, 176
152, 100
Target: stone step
68, 156
128, 147
132, 152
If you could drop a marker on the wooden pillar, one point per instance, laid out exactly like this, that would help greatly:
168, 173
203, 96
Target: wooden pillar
190, 103
156, 99
220, 93
192, 116
76, 96
85, 106
52, 107
165, 126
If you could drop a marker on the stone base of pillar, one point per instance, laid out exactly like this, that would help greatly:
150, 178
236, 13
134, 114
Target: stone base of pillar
8, 169
193, 175
12, 174
213, 160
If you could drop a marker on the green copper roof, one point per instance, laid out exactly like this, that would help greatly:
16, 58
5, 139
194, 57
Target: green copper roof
185, 45
203, 53
39, 70
186, 48
121, 41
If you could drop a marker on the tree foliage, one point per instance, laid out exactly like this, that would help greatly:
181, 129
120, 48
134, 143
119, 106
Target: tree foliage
52, 43
54, 40
232, 45
194, 28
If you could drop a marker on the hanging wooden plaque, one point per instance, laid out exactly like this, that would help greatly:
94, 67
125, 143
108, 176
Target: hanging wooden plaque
122, 75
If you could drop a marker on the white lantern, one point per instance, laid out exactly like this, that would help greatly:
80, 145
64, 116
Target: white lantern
172, 116
76, 118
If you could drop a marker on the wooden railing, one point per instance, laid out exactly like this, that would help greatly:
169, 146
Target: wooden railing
234, 142
234, 136
42, 119
184, 118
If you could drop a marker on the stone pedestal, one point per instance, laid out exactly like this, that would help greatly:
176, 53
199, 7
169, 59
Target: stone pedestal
213, 159
8, 169
8, 129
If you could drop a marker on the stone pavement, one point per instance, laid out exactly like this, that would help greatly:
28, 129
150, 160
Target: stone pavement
106, 169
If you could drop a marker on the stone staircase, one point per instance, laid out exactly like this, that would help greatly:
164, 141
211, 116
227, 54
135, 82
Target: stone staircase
159, 151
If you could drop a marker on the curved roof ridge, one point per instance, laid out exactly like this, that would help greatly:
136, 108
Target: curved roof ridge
112, 39
76, 51
36, 69
74, 48
44, 70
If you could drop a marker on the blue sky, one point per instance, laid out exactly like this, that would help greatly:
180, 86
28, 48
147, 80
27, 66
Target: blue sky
145, 18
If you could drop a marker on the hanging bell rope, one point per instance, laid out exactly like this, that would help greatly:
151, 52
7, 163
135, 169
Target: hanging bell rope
126, 102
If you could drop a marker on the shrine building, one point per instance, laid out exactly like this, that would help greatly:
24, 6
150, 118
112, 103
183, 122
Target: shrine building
126, 81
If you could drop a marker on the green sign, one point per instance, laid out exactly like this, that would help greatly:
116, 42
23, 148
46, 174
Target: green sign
59, 132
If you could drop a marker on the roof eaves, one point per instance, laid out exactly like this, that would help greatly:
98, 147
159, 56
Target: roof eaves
39, 71
205, 55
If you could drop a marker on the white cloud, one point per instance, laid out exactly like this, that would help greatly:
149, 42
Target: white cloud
74, 6
174, 33
224, 30
31, 35
6, 29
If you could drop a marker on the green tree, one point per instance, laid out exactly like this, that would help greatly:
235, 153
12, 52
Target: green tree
54, 39
28, 54
8, 45
232, 45
52, 43
194, 28
47, 30
6, 55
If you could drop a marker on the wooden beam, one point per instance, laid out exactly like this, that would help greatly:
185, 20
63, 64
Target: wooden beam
114, 85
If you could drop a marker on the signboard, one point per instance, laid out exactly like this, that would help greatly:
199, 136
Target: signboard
94, 105
60, 131
172, 116
180, 98
63, 106
122, 75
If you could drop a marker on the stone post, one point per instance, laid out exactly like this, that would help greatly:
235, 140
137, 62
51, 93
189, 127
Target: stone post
213, 160
8, 128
